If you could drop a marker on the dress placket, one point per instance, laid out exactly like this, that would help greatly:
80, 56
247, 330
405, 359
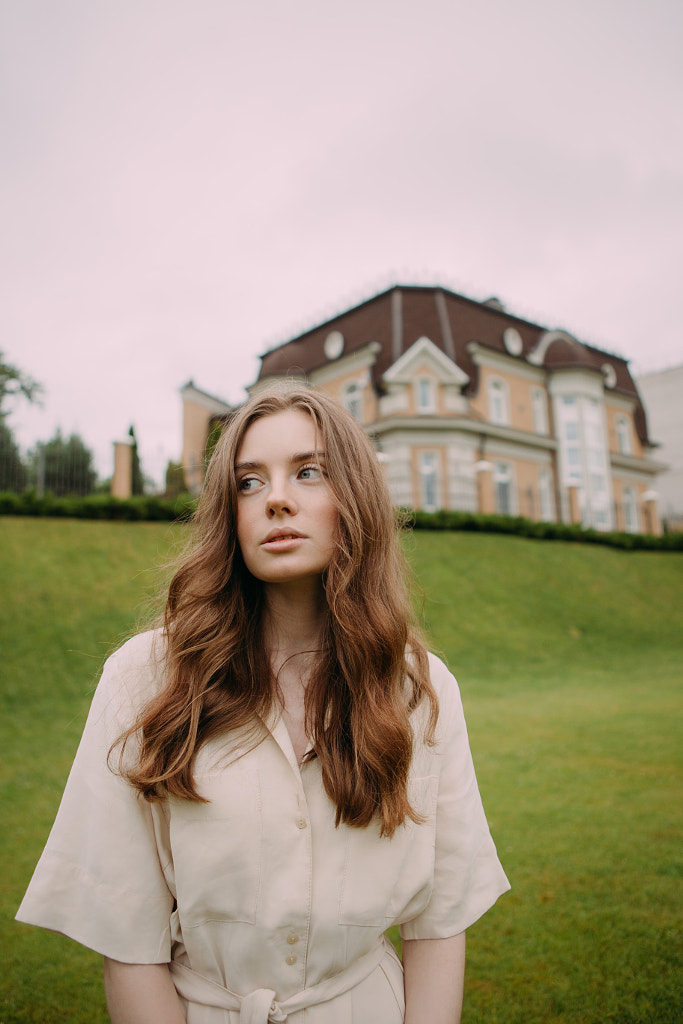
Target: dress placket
296, 939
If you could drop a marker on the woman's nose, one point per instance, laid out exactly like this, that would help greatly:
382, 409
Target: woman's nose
280, 499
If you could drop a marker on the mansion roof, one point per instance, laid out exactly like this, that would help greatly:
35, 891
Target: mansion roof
395, 319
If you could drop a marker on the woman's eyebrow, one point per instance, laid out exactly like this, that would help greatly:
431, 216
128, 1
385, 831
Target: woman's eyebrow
306, 456
294, 459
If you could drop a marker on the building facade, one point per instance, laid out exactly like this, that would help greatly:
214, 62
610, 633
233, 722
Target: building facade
663, 395
200, 411
473, 409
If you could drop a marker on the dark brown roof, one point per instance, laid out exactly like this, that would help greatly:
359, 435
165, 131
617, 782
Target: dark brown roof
373, 320
567, 354
396, 318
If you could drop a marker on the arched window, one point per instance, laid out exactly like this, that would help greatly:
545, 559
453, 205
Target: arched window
623, 435
502, 476
498, 402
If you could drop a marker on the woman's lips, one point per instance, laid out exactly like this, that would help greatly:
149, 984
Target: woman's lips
282, 541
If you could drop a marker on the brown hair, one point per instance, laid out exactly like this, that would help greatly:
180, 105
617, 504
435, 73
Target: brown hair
370, 673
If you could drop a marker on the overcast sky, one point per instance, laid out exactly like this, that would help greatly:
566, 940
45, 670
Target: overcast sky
185, 185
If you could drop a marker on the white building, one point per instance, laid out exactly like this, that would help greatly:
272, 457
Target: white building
662, 393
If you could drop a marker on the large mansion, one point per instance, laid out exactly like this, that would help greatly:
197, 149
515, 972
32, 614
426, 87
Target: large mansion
474, 409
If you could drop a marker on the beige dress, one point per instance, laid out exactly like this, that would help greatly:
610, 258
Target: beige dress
260, 904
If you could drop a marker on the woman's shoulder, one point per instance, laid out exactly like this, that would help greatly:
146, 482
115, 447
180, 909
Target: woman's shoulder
139, 651
441, 676
447, 694
442, 679
132, 674
449, 704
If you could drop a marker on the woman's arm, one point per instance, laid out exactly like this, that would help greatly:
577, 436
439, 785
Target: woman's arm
434, 977
141, 994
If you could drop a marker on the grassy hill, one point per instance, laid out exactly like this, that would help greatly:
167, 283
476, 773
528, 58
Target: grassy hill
569, 661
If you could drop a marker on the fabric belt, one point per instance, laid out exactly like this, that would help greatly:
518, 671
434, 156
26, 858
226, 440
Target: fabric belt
261, 1006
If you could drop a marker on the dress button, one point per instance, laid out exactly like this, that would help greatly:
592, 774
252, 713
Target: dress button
292, 938
301, 823
292, 959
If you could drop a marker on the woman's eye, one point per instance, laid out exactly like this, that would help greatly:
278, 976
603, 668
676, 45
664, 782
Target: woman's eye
310, 472
247, 483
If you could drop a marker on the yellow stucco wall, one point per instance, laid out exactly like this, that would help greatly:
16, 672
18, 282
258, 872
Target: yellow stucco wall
526, 479
337, 387
196, 420
613, 413
519, 398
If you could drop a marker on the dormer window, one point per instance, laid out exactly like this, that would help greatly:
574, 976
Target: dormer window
498, 402
426, 396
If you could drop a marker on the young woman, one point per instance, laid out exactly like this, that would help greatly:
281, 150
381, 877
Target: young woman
281, 771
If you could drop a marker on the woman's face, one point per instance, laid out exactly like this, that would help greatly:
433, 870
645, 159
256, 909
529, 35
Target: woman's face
286, 516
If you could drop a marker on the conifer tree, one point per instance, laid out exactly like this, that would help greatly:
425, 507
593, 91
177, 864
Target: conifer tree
138, 483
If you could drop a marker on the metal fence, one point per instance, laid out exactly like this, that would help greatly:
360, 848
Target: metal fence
60, 469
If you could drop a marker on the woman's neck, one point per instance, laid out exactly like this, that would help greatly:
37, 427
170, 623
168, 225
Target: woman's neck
294, 618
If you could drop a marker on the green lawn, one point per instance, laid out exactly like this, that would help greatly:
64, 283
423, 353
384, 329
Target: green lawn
569, 660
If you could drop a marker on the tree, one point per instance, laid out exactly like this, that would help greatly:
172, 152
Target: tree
175, 480
12, 468
63, 466
137, 483
14, 382
13, 473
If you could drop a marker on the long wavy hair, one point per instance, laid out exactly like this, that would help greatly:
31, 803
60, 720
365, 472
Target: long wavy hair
370, 672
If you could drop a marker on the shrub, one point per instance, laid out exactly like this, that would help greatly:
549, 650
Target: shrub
475, 521
98, 506
166, 509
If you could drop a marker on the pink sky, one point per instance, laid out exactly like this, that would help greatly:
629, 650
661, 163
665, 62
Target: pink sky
185, 185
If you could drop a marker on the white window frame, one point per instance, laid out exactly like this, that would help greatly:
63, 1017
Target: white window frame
539, 404
596, 478
584, 458
498, 402
430, 482
503, 478
623, 429
546, 502
629, 503
570, 444
425, 395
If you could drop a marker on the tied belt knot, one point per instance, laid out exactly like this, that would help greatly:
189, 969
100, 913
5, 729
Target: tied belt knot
261, 1006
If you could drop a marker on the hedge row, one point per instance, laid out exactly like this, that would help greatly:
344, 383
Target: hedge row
103, 506
522, 527
97, 506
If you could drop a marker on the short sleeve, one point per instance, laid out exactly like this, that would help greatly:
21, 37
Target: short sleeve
468, 877
100, 879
